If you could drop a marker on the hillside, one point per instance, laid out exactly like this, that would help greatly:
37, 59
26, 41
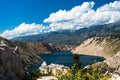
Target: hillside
99, 46
108, 47
15, 57
74, 38
114, 61
11, 66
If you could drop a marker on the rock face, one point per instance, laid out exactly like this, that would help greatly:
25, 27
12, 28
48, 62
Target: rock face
29, 51
115, 76
45, 69
15, 57
52, 68
11, 67
89, 48
114, 62
47, 78
108, 47
99, 46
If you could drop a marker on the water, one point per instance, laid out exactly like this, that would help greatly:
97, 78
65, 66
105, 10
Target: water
65, 58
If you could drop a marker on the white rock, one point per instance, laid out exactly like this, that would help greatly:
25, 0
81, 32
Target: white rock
47, 78
115, 77
44, 69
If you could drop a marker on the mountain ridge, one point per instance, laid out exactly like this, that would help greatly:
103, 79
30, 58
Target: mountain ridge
68, 37
106, 46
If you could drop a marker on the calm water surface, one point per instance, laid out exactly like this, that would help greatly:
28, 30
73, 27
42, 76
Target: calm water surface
65, 58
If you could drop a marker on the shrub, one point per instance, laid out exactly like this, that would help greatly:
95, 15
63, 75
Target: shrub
90, 74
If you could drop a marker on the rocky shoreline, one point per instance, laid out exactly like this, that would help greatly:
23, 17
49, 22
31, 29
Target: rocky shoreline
15, 57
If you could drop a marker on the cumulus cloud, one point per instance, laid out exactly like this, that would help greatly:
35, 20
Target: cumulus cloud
25, 29
84, 16
78, 17
63, 15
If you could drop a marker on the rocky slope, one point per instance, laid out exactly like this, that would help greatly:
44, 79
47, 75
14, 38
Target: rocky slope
11, 67
114, 62
29, 50
108, 47
15, 57
99, 46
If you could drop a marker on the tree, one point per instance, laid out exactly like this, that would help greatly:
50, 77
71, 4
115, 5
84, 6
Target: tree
77, 64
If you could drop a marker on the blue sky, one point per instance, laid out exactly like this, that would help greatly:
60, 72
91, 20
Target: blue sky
14, 13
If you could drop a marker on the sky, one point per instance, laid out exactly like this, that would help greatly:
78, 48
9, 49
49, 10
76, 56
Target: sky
30, 17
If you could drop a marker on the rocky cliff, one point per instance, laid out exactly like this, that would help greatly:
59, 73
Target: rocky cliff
15, 57
11, 67
99, 46
114, 61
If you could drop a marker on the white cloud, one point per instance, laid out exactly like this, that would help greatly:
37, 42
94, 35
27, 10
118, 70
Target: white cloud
63, 15
24, 30
84, 16
115, 6
79, 16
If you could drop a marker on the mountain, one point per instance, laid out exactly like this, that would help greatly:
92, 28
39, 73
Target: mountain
74, 38
11, 67
15, 57
106, 46
98, 40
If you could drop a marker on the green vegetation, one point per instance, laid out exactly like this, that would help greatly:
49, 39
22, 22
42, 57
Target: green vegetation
77, 72
113, 45
77, 64
35, 74
89, 74
94, 73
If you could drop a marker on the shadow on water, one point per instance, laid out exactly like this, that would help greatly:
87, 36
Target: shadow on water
65, 58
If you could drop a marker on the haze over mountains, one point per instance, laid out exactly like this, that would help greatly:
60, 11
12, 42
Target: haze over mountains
70, 37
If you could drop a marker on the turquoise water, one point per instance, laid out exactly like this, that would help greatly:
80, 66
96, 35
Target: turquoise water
65, 58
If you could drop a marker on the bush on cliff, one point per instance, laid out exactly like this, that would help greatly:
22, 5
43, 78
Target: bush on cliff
90, 74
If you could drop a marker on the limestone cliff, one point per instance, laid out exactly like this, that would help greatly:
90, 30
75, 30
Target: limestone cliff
108, 47
15, 57
29, 50
99, 46
114, 62
11, 67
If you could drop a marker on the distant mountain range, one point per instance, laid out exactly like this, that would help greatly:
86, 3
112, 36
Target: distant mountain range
69, 37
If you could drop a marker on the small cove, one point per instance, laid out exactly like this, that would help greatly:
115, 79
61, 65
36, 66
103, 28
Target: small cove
65, 58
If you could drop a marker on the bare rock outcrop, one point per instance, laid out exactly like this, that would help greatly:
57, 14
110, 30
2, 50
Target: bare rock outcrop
115, 76
11, 67
114, 62
89, 47
15, 57
99, 46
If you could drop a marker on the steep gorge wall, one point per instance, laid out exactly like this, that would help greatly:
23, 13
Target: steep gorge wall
11, 67
99, 46
15, 57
